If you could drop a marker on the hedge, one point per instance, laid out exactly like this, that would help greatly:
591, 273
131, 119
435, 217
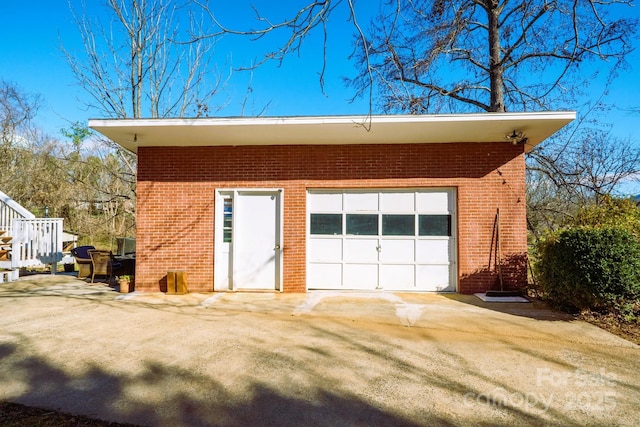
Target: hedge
590, 268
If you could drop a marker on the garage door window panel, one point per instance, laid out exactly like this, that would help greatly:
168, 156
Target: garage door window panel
362, 224
326, 224
398, 225
434, 225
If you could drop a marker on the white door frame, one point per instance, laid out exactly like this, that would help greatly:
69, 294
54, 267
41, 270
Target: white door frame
224, 260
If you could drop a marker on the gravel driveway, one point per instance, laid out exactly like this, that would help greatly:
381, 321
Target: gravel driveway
316, 359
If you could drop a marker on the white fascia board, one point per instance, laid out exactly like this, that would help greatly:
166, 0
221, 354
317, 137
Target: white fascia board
388, 129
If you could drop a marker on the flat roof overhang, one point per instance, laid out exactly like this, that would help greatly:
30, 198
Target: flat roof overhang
342, 130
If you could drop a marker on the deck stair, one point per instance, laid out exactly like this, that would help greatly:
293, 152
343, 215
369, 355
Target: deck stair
5, 245
26, 241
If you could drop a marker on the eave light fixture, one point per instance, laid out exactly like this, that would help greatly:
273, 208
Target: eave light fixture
516, 137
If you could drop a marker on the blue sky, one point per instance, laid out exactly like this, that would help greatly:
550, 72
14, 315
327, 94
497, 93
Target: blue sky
31, 33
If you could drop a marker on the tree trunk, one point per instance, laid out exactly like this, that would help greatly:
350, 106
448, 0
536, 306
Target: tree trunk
495, 65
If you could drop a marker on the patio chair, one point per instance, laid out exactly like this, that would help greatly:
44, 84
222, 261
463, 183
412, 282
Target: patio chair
103, 264
81, 254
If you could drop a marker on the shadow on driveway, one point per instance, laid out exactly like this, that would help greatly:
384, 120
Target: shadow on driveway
315, 359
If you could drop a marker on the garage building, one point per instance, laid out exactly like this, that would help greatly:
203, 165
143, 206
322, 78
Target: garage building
430, 203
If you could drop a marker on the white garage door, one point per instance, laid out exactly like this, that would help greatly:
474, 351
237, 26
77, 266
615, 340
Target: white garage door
392, 240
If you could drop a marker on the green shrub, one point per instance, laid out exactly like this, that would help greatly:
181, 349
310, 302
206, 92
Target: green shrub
590, 268
611, 212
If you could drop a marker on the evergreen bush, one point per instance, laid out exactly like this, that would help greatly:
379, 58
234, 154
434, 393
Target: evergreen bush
590, 268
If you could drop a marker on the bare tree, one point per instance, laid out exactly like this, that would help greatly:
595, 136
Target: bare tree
133, 67
85, 182
427, 56
591, 168
581, 166
490, 55
17, 110
422, 56
584, 163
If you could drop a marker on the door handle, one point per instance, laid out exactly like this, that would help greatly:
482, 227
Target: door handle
277, 248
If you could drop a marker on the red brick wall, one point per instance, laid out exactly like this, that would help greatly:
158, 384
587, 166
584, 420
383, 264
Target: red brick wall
176, 192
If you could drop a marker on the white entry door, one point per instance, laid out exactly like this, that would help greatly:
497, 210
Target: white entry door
249, 253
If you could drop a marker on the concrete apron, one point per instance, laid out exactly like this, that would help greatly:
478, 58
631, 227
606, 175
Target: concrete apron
321, 358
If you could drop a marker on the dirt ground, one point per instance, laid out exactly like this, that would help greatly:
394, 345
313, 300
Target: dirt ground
315, 359
630, 331
15, 415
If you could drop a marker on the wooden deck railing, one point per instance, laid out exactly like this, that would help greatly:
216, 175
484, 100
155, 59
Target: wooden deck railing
10, 209
33, 241
36, 241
